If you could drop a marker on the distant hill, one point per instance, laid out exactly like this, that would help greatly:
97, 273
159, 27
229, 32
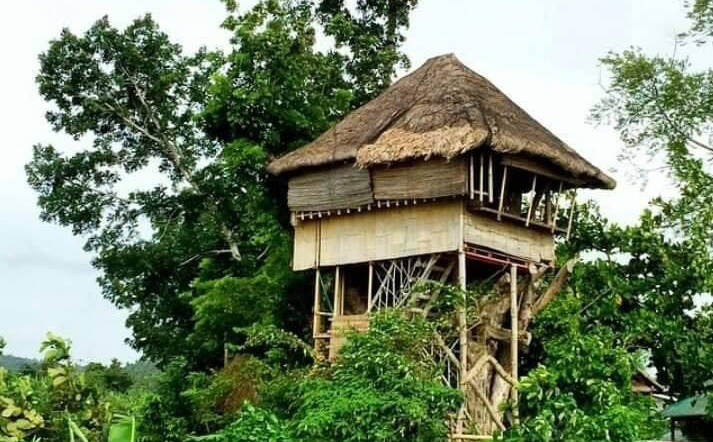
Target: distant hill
15, 363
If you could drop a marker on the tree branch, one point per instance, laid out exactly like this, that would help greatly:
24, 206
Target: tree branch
555, 287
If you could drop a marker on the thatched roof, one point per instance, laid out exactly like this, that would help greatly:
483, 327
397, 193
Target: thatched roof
442, 109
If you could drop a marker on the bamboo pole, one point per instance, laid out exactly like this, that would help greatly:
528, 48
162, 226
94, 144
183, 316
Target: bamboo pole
371, 286
480, 182
481, 187
317, 319
532, 199
514, 342
471, 178
462, 326
490, 179
557, 207
548, 206
337, 292
571, 214
502, 191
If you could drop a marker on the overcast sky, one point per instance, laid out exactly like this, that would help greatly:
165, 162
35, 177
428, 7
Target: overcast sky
543, 54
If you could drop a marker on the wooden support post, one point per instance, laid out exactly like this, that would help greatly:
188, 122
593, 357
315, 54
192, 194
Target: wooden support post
514, 343
481, 188
490, 179
471, 178
533, 193
556, 209
548, 206
370, 302
462, 326
317, 319
502, 192
571, 213
337, 293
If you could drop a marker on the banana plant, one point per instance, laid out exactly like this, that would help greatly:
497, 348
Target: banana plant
122, 429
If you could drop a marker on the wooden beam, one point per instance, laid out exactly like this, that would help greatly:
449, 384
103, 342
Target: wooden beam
557, 208
490, 179
533, 193
371, 286
488, 406
337, 292
505, 335
514, 344
548, 206
469, 437
480, 182
462, 321
317, 318
502, 192
449, 354
571, 213
540, 169
471, 178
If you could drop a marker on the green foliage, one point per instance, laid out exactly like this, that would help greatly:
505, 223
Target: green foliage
195, 251
255, 425
582, 389
661, 107
112, 378
640, 282
381, 388
280, 349
123, 429
58, 402
372, 30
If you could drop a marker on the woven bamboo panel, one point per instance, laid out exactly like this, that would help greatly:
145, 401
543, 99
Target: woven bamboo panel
330, 189
341, 327
375, 235
508, 238
421, 179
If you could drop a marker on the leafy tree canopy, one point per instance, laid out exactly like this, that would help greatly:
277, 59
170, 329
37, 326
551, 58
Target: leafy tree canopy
170, 189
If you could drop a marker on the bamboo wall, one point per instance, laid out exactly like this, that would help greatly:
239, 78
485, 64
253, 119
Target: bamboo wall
421, 179
349, 187
376, 235
403, 231
330, 189
508, 238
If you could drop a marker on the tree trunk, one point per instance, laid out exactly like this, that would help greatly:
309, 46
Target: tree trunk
491, 338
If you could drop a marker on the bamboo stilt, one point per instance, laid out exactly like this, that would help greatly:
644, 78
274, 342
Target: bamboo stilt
532, 200
557, 208
571, 214
514, 343
480, 182
462, 326
490, 179
502, 192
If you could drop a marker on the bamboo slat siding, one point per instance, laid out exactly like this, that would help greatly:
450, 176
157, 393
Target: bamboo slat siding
421, 179
515, 240
335, 188
372, 236
341, 327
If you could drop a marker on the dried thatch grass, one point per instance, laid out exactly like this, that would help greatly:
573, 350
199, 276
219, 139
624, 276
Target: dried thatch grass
442, 109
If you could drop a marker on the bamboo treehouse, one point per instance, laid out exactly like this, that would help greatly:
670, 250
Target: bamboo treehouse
440, 178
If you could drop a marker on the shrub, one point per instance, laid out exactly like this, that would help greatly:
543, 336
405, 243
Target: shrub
381, 388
